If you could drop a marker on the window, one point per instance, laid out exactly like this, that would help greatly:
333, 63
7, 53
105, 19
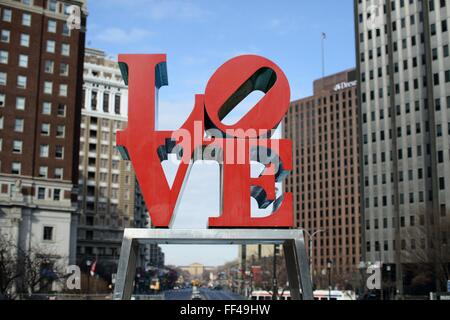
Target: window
48, 233
41, 193
51, 26
18, 125
23, 61
20, 103
59, 152
56, 194
52, 5
48, 87
65, 49
26, 19
24, 40
60, 131
43, 172
66, 30
43, 150
94, 100
439, 130
117, 104
61, 110
1, 122
2, 99
63, 90
17, 146
63, 69
49, 66
3, 78
442, 183
50, 46
21, 82
16, 168
46, 108
45, 129
59, 173
5, 36
4, 57
7, 15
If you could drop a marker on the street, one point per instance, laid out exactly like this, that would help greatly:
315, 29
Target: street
207, 294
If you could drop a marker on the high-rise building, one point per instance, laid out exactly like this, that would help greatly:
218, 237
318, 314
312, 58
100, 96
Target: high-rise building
404, 80
41, 62
109, 196
325, 177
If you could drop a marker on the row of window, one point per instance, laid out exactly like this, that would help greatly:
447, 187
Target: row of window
437, 79
103, 177
411, 198
23, 80
103, 192
439, 103
50, 46
412, 221
19, 125
25, 20
408, 130
386, 247
46, 106
52, 6
58, 173
24, 40
102, 206
106, 101
413, 62
401, 155
22, 60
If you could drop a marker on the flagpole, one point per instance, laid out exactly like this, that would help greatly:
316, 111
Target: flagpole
323, 54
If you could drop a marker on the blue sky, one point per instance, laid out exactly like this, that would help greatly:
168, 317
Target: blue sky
200, 35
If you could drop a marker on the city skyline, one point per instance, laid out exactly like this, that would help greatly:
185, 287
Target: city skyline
320, 130
291, 38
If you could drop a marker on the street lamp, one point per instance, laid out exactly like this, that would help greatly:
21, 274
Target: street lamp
88, 264
311, 238
274, 278
329, 264
388, 276
362, 268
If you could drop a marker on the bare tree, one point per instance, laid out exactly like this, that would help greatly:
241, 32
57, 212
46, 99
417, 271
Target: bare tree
26, 271
266, 283
9, 272
430, 258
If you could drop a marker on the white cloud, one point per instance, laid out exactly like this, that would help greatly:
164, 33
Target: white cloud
161, 9
121, 36
193, 60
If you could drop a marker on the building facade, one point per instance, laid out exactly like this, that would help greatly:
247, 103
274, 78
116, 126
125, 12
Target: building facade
109, 196
404, 75
40, 108
325, 177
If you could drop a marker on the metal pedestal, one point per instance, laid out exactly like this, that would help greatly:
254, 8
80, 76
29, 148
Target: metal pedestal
297, 262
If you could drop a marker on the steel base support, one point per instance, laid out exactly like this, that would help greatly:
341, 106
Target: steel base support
297, 262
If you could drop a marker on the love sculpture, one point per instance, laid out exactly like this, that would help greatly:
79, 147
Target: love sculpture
246, 140
205, 137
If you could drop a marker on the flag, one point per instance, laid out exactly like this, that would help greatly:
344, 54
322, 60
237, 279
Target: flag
93, 268
324, 35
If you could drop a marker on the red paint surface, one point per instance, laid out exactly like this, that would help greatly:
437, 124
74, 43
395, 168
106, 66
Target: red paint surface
142, 141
